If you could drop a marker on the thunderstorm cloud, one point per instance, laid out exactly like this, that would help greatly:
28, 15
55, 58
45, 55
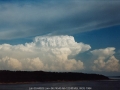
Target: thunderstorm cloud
55, 53
44, 53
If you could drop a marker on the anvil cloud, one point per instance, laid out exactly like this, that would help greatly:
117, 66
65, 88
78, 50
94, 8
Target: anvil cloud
20, 19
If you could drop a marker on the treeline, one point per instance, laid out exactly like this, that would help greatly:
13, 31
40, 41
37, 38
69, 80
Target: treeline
41, 76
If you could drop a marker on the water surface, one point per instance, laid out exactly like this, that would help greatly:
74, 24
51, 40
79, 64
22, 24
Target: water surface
75, 85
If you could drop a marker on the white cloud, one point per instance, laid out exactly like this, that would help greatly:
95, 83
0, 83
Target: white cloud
112, 64
44, 53
104, 52
10, 63
104, 60
55, 53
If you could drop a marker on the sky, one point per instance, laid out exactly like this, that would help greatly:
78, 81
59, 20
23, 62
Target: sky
60, 35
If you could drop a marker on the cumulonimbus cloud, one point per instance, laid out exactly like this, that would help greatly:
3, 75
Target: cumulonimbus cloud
55, 53
48, 53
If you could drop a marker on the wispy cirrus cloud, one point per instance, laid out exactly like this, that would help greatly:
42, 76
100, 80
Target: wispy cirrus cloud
28, 18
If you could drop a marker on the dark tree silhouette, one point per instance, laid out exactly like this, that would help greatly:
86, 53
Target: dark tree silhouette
41, 76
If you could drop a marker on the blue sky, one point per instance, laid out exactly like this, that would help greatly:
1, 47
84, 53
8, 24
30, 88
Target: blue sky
91, 27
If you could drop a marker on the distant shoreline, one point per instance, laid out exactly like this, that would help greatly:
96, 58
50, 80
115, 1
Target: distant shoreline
41, 76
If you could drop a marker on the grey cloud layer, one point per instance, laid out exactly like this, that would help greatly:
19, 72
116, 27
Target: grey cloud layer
19, 21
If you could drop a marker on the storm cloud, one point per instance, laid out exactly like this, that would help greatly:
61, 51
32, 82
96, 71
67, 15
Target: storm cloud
49, 53
56, 53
